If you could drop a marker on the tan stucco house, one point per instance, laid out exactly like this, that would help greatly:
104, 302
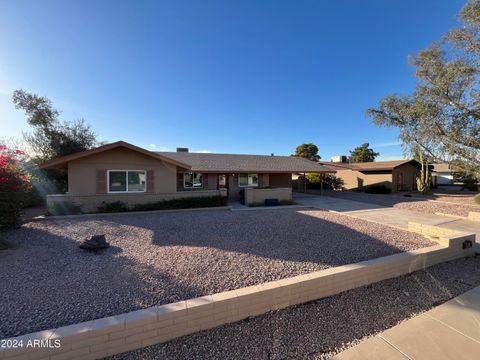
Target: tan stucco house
123, 172
397, 175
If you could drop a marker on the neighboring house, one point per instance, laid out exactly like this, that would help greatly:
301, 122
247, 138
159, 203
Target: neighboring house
397, 175
127, 173
442, 174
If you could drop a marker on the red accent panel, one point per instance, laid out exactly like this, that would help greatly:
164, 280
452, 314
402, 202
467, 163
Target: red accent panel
150, 181
101, 181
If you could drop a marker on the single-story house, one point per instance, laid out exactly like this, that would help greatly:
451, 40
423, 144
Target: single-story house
397, 175
442, 174
123, 172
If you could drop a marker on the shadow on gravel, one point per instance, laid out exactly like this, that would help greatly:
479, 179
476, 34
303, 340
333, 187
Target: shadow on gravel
286, 235
47, 281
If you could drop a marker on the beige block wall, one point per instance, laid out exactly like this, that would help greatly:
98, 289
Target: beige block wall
116, 334
355, 179
257, 196
90, 203
234, 189
283, 180
82, 172
474, 216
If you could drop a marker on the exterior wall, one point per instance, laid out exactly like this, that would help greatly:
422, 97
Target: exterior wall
357, 180
210, 182
280, 180
90, 203
443, 178
124, 332
82, 172
409, 173
275, 180
257, 196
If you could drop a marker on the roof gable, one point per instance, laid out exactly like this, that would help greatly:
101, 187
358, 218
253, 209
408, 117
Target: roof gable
61, 162
371, 166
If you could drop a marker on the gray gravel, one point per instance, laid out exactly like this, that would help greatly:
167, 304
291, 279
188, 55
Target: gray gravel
320, 329
47, 281
460, 206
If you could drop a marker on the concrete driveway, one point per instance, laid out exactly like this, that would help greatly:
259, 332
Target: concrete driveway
390, 216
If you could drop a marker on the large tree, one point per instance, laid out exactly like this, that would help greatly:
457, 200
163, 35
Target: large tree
363, 153
441, 118
51, 138
307, 151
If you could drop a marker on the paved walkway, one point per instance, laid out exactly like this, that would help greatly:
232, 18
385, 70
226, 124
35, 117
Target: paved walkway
387, 215
450, 331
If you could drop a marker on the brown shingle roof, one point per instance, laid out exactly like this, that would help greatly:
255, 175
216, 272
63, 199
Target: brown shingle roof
208, 162
442, 167
369, 166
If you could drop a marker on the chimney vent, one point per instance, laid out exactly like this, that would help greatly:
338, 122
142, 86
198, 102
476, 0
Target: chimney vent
182, 149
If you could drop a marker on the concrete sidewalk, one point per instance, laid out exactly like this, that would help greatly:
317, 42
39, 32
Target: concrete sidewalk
450, 331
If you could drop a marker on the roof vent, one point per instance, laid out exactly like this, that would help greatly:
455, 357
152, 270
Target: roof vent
340, 159
182, 149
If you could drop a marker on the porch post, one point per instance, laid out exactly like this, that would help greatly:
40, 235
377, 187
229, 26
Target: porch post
304, 182
321, 183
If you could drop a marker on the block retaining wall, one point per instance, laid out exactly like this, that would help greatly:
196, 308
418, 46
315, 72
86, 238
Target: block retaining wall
474, 216
116, 334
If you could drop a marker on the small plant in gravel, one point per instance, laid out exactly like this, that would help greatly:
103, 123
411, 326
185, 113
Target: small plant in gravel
64, 209
195, 202
14, 186
112, 207
423, 181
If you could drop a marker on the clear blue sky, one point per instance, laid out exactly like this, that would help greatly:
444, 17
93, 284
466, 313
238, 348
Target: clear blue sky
221, 76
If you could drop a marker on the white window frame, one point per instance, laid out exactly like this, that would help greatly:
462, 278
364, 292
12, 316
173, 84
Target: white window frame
125, 192
192, 187
248, 175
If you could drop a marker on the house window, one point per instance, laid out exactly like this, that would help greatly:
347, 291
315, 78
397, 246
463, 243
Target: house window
127, 181
192, 180
247, 180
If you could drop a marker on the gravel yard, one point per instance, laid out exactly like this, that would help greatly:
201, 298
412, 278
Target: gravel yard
320, 329
458, 205
47, 281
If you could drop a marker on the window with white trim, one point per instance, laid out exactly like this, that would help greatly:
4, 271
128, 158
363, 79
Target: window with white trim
247, 180
192, 180
127, 181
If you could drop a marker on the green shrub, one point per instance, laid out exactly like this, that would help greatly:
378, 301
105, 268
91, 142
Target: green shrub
64, 209
186, 203
476, 198
470, 183
112, 207
330, 182
378, 189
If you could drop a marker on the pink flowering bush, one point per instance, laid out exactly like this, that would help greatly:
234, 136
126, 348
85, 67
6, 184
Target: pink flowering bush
14, 185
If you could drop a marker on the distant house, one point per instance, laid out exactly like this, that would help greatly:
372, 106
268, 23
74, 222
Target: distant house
442, 174
123, 172
397, 175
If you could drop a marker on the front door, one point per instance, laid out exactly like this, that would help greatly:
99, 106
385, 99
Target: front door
223, 182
